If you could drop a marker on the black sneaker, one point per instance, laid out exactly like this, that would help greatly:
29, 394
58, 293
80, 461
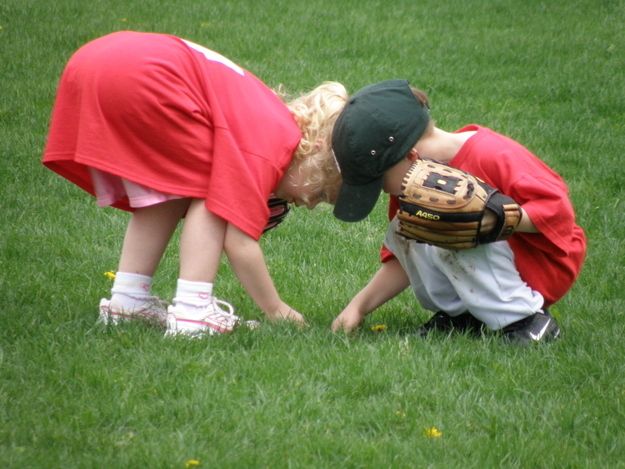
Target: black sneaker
539, 327
443, 322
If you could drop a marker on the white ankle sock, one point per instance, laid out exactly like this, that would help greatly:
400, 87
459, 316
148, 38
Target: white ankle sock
193, 295
130, 291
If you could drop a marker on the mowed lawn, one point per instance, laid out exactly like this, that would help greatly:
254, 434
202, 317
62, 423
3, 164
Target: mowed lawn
74, 394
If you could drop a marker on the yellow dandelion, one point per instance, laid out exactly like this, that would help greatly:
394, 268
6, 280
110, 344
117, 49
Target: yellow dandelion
192, 463
433, 432
110, 275
378, 327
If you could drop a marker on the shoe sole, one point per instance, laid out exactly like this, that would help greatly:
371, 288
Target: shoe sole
193, 328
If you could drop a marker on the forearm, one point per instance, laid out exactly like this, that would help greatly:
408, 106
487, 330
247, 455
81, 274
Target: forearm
526, 225
248, 262
388, 282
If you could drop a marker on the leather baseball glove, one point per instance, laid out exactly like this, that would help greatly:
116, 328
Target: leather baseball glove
449, 208
278, 210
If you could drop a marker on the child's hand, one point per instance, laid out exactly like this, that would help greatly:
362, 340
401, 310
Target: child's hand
347, 321
286, 313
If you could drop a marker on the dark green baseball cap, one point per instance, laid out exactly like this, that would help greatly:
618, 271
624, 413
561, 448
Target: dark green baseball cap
376, 129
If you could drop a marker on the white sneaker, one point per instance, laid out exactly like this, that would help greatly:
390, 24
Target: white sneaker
211, 320
154, 311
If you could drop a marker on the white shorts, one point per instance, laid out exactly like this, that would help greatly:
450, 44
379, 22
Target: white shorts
110, 189
483, 280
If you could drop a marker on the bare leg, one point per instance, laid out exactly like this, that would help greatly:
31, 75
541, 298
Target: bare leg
148, 234
201, 243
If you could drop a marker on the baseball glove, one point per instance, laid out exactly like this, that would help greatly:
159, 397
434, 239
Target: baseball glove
446, 207
278, 210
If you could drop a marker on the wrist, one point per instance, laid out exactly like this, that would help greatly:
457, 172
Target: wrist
276, 310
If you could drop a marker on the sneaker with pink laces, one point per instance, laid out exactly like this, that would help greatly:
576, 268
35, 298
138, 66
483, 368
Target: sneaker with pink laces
216, 318
153, 311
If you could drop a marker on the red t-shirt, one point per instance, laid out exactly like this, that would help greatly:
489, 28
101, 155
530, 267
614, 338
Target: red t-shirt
175, 117
548, 261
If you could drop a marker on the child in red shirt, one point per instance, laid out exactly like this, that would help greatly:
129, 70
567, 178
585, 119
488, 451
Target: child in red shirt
507, 285
167, 129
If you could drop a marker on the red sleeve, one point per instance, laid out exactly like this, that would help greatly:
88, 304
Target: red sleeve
548, 206
240, 186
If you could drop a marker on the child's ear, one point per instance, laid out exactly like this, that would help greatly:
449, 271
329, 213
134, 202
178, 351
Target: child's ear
318, 144
413, 154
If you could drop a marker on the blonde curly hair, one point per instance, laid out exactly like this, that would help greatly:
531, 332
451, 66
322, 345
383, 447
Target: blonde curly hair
315, 113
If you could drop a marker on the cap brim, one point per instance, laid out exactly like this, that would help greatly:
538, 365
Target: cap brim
355, 202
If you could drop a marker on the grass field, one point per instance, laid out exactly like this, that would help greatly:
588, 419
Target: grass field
77, 395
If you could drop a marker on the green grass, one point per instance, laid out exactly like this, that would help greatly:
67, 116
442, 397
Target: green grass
73, 394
